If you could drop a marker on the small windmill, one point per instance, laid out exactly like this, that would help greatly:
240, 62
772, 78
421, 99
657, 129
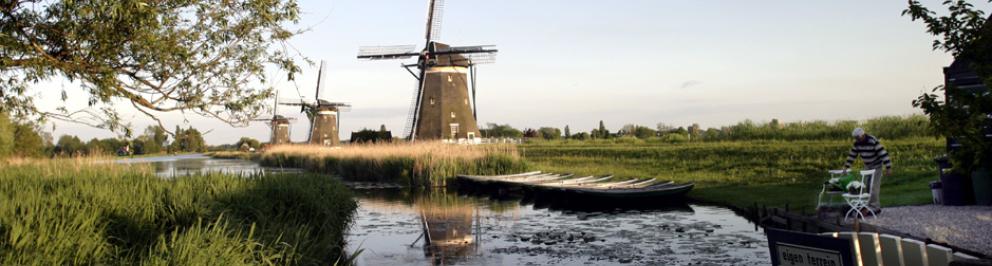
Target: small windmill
279, 125
325, 116
440, 108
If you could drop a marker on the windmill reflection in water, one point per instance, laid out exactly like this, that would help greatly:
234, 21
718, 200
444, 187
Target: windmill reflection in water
451, 226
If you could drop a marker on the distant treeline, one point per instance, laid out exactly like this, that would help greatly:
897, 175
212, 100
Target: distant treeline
26, 139
889, 127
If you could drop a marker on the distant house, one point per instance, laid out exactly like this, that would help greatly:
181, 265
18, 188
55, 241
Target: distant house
372, 136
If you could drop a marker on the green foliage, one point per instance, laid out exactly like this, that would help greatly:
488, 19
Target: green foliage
70, 146
206, 57
887, 127
188, 140
151, 142
967, 34
643, 132
740, 173
6, 135
248, 142
64, 212
674, 138
29, 142
501, 131
549, 133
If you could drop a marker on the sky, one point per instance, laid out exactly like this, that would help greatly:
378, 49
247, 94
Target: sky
576, 62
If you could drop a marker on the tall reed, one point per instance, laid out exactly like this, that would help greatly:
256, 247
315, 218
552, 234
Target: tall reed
415, 164
85, 211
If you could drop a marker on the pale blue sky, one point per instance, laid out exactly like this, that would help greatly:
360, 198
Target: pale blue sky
568, 62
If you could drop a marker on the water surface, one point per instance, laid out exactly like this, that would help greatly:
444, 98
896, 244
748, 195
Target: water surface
392, 227
193, 164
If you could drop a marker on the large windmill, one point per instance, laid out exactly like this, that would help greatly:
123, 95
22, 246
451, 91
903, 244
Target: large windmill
441, 108
279, 125
325, 116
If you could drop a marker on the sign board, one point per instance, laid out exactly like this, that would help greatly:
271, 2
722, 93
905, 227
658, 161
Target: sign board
790, 248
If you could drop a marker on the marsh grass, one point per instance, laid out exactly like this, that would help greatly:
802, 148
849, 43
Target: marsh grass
86, 211
415, 164
741, 173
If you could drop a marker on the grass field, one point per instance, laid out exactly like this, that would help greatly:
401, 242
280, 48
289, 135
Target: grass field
742, 173
83, 211
423, 164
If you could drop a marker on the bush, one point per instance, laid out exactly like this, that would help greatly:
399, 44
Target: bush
674, 138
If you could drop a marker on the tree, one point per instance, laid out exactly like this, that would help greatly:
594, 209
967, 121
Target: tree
205, 57
530, 133
69, 146
188, 140
643, 132
664, 128
967, 34
6, 135
549, 133
251, 143
602, 133
501, 131
29, 142
568, 133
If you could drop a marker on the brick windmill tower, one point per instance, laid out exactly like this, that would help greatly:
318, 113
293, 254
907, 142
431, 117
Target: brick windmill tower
325, 116
279, 125
441, 107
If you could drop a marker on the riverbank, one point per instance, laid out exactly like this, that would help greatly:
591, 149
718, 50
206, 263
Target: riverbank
421, 164
740, 174
87, 211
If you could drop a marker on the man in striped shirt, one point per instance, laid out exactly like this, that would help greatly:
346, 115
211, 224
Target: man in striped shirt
875, 157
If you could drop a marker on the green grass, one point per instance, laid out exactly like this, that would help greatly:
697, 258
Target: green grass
77, 212
741, 173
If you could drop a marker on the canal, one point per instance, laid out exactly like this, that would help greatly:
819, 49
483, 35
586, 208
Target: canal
397, 226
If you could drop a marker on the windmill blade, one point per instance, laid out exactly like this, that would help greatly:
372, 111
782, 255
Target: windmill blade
476, 59
467, 49
298, 102
387, 52
320, 79
435, 12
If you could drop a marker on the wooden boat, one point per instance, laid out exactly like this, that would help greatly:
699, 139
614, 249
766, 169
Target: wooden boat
603, 186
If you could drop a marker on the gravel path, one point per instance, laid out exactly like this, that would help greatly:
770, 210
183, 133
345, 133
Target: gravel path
968, 227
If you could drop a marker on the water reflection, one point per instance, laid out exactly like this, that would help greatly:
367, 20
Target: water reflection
447, 222
399, 227
194, 164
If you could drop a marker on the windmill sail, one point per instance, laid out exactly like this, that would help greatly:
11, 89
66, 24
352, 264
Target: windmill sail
434, 14
442, 106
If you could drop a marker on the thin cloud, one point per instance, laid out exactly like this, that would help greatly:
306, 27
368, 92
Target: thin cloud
691, 83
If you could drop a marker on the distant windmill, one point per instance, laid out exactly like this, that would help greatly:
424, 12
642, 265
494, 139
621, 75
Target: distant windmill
325, 116
279, 125
440, 106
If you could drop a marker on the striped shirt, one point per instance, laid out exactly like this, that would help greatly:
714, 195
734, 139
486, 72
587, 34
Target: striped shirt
872, 153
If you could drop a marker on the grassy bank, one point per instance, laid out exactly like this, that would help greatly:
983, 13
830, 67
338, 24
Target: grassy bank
80, 211
418, 164
741, 173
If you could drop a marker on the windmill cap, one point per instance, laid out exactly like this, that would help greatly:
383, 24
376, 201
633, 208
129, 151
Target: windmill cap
858, 132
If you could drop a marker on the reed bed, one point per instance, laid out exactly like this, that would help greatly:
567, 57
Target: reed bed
415, 164
89, 211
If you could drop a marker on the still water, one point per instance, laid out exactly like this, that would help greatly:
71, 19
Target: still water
397, 227
194, 164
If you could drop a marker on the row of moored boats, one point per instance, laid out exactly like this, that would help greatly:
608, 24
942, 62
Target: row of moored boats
604, 186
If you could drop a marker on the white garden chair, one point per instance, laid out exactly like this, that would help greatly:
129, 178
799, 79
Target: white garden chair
859, 199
